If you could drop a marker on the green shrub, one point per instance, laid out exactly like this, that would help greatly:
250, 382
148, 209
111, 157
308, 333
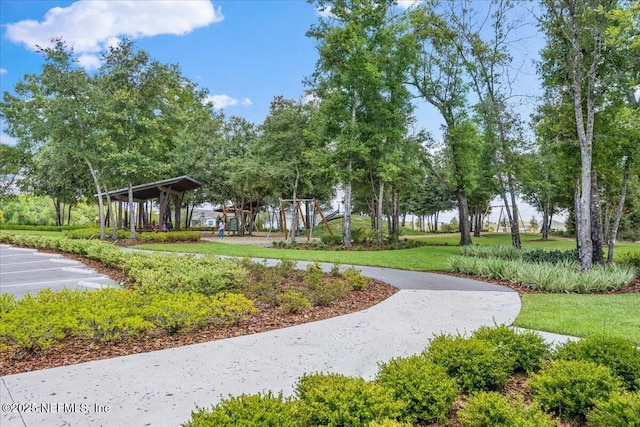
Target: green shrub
171, 236
355, 279
293, 302
497, 251
322, 291
527, 349
337, 400
619, 410
111, 315
174, 312
631, 258
94, 233
491, 409
425, 388
35, 322
569, 389
549, 256
258, 410
207, 275
473, 362
620, 355
389, 423
331, 240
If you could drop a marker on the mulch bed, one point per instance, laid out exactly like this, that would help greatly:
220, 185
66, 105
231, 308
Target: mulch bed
75, 350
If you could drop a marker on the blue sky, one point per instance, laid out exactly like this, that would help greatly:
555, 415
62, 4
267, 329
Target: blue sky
245, 52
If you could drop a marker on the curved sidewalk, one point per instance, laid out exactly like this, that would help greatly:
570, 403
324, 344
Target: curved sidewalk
162, 388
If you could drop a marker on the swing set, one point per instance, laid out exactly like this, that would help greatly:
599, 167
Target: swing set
311, 210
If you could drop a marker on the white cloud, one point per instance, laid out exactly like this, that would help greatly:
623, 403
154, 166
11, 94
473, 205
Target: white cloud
325, 13
406, 4
3, 71
224, 101
90, 26
89, 61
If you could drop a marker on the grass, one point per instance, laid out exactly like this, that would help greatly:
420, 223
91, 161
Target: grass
582, 315
35, 232
426, 258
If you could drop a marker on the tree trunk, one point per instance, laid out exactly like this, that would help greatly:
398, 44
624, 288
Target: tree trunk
395, 215
585, 137
346, 227
596, 222
379, 208
616, 221
294, 213
546, 220
114, 230
463, 214
96, 182
56, 206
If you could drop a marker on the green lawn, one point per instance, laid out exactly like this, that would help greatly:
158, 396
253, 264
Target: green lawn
426, 258
35, 232
582, 315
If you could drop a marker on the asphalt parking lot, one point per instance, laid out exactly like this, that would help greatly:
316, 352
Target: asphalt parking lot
24, 271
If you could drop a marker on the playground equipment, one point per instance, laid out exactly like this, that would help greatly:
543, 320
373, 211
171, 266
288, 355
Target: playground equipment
308, 217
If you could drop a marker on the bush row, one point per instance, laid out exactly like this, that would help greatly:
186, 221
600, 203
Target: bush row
109, 315
172, 236
576, 383
530, 255
562, 277
9, 226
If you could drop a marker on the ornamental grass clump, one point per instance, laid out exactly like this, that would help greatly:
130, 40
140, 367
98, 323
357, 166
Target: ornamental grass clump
562, 277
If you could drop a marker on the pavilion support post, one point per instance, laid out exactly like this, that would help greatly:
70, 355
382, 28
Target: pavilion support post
178, 202
119, 215
141, 215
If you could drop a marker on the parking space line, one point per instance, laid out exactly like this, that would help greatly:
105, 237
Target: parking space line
37, 269
43, 283
77, 270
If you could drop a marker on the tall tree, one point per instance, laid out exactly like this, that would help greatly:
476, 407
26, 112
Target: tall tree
58, 106
575, 32
356, 79
438, 76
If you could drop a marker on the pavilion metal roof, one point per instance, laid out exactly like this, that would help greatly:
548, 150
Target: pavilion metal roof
152, 190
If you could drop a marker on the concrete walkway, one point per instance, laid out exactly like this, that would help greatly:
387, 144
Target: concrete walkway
162, 388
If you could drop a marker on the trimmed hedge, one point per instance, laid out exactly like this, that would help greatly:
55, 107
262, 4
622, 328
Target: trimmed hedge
258, 410
491, 409
426, 389
335, 400
473, 362
618, 354
569, 389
